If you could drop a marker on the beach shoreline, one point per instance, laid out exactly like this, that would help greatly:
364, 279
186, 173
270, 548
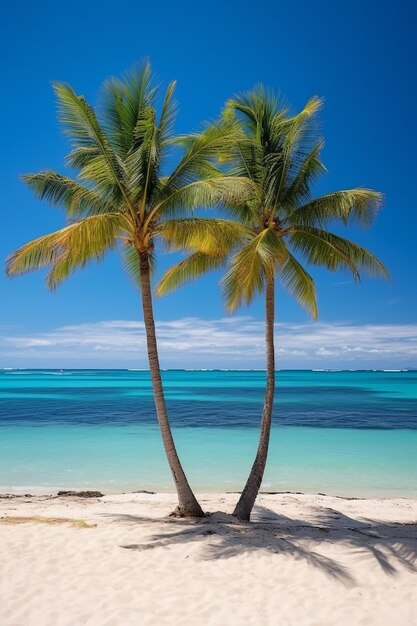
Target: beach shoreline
51, 491
304, 559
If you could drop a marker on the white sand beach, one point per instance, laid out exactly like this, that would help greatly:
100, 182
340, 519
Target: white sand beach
305, 560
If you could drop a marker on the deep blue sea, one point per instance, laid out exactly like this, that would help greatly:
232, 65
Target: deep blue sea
339, 432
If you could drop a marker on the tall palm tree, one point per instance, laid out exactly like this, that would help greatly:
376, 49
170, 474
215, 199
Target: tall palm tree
124, 197
280, 154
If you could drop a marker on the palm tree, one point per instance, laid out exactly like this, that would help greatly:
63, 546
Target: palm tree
280, 154
122, 197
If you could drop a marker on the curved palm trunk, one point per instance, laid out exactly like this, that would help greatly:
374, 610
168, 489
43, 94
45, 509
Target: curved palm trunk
247, 499
187, 502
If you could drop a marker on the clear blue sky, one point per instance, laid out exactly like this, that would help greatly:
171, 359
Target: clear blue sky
360, 56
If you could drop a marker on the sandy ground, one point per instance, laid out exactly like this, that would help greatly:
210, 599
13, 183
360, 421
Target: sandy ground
305, 560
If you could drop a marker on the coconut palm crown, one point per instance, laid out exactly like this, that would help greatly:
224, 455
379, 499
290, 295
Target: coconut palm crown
277, 227
123, 197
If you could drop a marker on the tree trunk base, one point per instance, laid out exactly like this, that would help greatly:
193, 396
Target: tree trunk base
188, 511
242, 516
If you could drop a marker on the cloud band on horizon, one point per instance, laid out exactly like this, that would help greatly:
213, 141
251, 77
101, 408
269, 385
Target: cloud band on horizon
225, 342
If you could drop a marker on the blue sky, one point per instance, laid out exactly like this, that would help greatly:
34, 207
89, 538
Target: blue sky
358, 56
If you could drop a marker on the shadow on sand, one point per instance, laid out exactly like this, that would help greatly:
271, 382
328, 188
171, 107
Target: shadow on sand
392, 545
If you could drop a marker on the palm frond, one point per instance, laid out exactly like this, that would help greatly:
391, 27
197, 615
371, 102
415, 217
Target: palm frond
61, 268
249, 267
299, 189
246, 158
276, 145
188, 269
61, 190
142, 162
151, 140
131, 264
201, 150
168, 114
298, 282
208, 235
99, 160
260, 111
359, 205
321, 247
222, 191
124, 99
99, 175
280, 154
78, 118
68, 248
294, 139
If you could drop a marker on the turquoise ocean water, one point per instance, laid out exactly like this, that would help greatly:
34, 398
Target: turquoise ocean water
338, 432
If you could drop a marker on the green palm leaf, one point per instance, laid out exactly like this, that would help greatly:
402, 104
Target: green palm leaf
292, 139
92, 150
249, 267
308, 170
201, 150
215, 191
321, 247
124, 99
190, 268
298, 282
131, 264
70, 247
207, 235
60, 190
168, 115
360, 205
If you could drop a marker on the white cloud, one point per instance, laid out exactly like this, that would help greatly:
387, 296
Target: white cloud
227, 342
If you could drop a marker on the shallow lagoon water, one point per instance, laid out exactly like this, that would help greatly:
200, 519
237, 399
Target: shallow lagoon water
346, 433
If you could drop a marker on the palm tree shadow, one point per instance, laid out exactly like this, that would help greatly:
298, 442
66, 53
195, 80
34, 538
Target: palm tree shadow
220, 536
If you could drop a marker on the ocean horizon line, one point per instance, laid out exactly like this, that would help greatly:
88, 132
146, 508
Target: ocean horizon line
201, 369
